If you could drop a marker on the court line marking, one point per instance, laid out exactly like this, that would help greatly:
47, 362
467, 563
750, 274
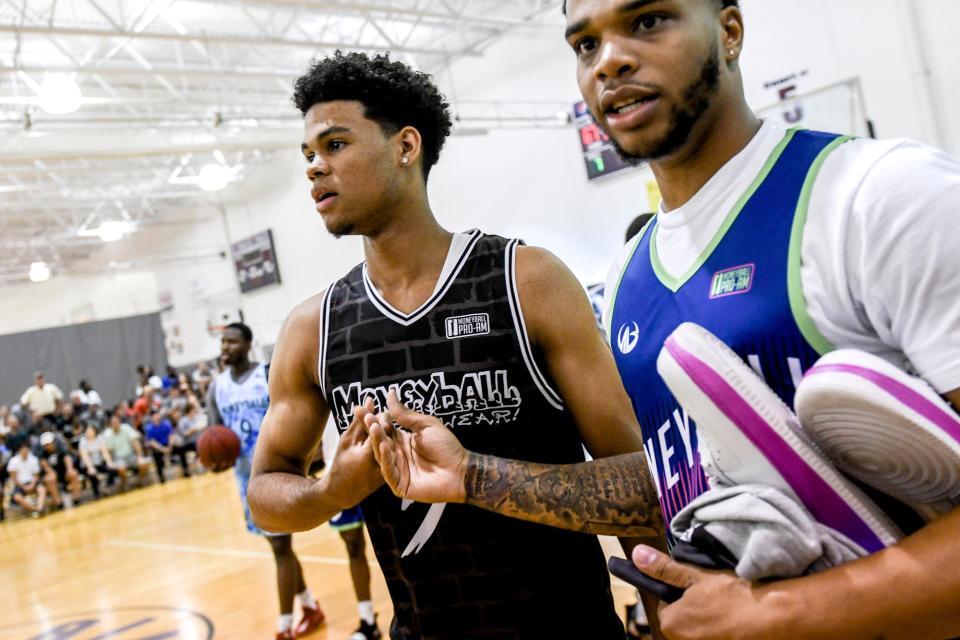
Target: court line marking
233, 553
615, 582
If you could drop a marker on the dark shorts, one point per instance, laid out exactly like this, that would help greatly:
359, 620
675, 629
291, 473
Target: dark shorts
347, 520
19, 491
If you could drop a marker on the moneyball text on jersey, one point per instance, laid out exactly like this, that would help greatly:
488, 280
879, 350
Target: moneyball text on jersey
464, 357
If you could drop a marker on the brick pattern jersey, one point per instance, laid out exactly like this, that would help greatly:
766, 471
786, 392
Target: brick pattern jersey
455, 571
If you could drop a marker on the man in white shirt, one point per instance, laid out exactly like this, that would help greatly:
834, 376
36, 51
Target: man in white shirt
24, 468
43, 397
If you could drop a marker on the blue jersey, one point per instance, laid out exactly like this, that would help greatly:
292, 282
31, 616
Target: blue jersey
745, 289
243, 405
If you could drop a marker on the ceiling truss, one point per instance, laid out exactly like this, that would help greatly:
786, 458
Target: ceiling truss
169, 86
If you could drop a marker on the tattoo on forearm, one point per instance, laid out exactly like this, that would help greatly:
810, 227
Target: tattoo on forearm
609, 496
479, 471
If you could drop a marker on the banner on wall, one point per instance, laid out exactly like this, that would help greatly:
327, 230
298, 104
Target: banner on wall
255, 260
599, 153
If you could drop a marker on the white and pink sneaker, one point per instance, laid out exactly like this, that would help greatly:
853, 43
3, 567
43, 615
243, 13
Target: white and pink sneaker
883, 426
747, 435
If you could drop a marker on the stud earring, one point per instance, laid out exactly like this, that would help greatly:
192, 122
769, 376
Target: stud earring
405, 160
733, 52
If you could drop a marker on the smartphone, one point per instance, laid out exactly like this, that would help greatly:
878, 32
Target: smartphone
627, 571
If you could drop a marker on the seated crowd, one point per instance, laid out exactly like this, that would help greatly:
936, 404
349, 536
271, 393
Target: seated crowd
56, 451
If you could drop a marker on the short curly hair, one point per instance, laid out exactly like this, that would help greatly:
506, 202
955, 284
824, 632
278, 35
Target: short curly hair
392, 94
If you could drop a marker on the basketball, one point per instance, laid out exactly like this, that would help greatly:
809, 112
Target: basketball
218, 448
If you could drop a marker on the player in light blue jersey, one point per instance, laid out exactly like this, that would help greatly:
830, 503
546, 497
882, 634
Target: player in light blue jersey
238, 399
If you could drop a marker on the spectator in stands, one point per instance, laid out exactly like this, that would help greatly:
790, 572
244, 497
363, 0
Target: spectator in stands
202, 377
5, 455
37, 424
170, 380
142, 406
175, 401
154, 380
4, 412
43, 397
93, 459
141, 379
189, 427
158, 434
66, 422
58, 469
124, 451
25, 470
186, 385
86, 396
124, 410
147, 377
17, 435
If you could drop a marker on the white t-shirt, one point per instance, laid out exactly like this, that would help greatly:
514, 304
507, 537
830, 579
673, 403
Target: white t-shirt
880, 257
24, 470
88, 398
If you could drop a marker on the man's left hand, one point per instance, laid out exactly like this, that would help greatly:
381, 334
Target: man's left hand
716, 605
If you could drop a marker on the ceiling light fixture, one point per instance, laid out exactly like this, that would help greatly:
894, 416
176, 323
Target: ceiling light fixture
39, 271
214, 177
112, 230
59, 94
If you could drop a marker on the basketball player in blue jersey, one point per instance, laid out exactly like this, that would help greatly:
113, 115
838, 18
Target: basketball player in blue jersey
238, 399
819, 241
494, 338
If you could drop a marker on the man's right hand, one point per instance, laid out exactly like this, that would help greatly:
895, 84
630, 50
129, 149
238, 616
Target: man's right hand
425, 462
354, 473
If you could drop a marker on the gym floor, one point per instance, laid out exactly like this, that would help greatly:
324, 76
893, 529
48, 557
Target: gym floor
170, 561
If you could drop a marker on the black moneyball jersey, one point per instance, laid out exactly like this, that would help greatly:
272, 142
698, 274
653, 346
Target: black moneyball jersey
455, 571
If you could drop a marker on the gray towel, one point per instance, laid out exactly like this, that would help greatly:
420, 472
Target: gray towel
769, 532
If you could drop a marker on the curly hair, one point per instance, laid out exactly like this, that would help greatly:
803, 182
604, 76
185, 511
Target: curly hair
393, 95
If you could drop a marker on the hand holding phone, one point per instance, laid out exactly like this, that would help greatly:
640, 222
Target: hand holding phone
627, 571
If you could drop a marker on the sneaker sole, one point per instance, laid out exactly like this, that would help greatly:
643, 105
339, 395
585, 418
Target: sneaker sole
883, 426
718, 389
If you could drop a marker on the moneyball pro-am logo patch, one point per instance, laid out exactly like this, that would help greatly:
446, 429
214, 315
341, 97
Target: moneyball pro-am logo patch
732, 281
477, 324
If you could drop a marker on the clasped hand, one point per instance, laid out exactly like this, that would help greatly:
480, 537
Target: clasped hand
423, 460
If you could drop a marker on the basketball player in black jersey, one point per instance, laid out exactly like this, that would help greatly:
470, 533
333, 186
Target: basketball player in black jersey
495, 339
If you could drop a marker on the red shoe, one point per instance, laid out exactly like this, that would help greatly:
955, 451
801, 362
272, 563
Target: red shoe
285, 635
311, 620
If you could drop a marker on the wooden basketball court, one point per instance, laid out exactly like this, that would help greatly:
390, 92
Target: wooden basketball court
169, 561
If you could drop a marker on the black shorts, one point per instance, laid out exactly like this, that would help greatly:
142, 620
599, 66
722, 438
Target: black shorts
19, 491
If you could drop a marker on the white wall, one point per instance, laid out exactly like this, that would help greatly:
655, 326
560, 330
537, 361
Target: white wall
72, 300
529, 183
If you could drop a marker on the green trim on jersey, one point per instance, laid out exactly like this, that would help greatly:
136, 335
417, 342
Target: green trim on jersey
612, 296
674, 284
798, 304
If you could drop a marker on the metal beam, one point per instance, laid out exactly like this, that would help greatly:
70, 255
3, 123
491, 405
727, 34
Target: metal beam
219, 38
388, 11
100, 153
194, 72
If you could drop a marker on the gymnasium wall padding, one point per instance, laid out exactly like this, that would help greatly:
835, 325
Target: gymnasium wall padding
106, 353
